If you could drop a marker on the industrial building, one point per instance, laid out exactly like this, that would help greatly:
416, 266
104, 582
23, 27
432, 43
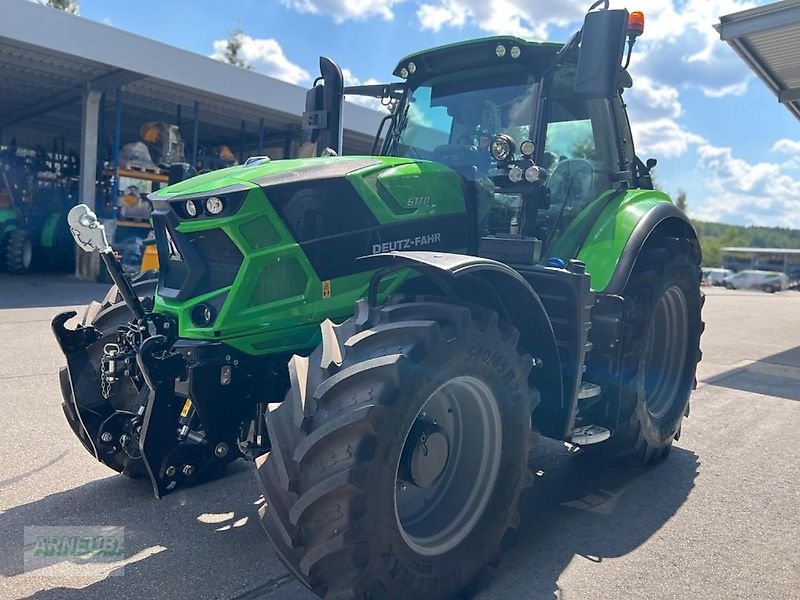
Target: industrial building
90, 113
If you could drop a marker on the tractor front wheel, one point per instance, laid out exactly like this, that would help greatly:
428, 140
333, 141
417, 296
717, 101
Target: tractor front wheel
400, 452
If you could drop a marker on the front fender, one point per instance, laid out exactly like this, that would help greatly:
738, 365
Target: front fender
496, 286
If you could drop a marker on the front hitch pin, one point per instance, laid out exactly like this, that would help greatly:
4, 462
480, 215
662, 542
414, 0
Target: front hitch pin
90, 235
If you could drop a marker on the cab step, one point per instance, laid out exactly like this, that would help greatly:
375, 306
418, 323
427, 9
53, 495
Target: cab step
589, 434
589, 390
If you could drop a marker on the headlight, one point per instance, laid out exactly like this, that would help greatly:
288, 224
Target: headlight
534, 174
527, 148
502, 147
515, 174
202, 315
214, 205
191, 208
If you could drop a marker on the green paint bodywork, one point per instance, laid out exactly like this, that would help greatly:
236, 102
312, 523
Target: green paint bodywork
49, 229
8, 221
277, 301
598, 235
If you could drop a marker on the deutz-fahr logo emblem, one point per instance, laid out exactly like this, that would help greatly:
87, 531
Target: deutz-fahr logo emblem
174, 253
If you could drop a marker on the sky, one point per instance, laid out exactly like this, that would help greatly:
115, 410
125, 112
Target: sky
717, 132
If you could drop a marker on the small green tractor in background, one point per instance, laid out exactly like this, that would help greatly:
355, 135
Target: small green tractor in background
33, 219
512, 272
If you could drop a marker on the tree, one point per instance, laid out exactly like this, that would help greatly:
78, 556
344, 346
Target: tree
680, 200
233, 49
70, 6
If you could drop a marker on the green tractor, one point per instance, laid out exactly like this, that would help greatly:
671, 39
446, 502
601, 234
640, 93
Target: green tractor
512, 271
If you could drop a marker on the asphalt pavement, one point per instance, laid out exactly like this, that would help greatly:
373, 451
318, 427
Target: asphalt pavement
719, 519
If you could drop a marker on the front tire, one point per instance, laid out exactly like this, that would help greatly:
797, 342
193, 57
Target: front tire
400, 452
661, 349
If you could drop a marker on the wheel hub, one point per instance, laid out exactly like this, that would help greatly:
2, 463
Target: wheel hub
425, 454
448, 466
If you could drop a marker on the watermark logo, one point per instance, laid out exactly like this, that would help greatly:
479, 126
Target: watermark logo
76, 551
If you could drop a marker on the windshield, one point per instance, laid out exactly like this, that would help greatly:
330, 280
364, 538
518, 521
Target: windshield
464, 112
452, 119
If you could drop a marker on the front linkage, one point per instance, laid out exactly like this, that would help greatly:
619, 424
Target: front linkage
177, 433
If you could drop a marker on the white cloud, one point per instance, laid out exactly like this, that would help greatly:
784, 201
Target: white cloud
508, 17
265, 55
648, 99
760, 193
344, 10
786, 146
350, 79
663, 138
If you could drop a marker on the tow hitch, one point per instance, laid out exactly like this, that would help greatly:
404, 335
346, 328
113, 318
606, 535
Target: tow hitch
163, 438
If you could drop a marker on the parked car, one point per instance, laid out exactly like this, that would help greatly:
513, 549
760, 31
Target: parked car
715, 276
769, 281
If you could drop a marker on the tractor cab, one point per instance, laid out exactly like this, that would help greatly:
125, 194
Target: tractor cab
537, 131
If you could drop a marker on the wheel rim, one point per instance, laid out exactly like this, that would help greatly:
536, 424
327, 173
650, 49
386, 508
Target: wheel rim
27, 253
449, 465
666, 355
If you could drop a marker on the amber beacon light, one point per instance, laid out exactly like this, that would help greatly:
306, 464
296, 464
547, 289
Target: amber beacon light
636, 24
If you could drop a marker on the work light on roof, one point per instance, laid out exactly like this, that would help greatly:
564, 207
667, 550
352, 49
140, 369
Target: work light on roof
412, 68
500, 50
515, 51
191, 208
404, 73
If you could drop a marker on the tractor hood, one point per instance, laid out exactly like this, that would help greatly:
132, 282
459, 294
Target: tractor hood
250, 251
272, 173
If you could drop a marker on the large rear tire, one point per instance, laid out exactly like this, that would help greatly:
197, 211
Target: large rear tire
400, 452
661, 348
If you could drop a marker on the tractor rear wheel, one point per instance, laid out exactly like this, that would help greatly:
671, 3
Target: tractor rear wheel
400, 452
661, 349
19, 252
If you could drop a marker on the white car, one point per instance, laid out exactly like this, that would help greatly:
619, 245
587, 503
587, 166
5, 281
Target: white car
769, 281
714, 276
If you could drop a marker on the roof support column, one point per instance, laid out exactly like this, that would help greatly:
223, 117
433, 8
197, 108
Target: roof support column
90, 126
87, 265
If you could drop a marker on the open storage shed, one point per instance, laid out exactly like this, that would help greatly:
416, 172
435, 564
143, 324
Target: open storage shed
74, 92
768, 40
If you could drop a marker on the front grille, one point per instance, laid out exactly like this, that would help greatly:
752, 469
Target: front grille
191, 264
220, 256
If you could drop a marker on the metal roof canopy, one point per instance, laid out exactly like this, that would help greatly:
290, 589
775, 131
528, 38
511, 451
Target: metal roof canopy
48, 58
768, 40
745, 250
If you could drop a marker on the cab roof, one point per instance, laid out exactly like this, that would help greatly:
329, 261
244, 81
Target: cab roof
477, 52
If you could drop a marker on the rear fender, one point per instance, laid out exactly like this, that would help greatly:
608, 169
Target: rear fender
496, 286
610, 240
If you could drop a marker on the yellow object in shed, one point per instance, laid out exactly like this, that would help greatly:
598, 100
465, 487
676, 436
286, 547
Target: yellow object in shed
149, 258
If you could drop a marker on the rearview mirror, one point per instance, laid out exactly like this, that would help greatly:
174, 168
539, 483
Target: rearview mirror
323, 114
601, 50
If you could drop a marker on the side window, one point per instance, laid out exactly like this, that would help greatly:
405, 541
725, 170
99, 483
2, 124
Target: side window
579, 153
